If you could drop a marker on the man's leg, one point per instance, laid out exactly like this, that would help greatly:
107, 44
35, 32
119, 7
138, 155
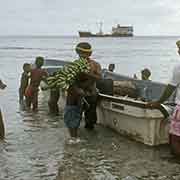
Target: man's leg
28, 102
21, 95
72, 118
2, 129
90, 113
53, 102
73, 132
35, 101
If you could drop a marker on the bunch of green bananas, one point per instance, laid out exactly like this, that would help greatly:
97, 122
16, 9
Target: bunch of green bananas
67, 75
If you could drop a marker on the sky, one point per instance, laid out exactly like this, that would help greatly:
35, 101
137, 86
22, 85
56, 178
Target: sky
66, 17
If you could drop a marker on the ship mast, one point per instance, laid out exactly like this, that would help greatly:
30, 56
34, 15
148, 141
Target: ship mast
100, 28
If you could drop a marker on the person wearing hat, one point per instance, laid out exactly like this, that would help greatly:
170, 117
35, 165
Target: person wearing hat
174, 132
84, 88
88, 83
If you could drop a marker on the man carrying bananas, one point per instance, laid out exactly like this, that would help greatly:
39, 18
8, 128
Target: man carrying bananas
83, 88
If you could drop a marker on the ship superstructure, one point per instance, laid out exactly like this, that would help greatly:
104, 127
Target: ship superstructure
117, 31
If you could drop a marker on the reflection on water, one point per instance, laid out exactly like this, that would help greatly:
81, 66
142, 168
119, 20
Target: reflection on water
33, 147
104, 155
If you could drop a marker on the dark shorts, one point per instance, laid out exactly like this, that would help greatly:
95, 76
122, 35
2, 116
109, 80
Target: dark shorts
72, 116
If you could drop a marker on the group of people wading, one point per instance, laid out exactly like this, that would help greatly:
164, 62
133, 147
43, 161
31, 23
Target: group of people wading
82, 95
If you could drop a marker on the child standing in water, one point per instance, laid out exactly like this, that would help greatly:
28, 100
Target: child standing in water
36, 76
24, 82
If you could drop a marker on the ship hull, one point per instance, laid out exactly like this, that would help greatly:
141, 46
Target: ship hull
89, 34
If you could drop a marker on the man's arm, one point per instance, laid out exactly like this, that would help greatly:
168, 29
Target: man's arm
166, 93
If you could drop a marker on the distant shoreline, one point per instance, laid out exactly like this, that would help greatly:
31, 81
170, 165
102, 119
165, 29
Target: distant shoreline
76, 36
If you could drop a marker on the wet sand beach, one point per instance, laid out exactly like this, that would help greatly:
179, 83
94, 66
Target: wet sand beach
33, 145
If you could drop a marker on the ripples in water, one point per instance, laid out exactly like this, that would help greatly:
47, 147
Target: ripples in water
33, 146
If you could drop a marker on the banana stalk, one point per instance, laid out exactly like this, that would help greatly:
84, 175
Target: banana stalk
67, 75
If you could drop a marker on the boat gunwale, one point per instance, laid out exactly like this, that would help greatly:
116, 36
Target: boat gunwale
132, 102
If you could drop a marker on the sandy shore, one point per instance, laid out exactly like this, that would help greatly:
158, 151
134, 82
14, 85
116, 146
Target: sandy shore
105, 155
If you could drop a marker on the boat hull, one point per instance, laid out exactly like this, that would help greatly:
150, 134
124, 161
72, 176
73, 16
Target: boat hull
148, 126
132, 119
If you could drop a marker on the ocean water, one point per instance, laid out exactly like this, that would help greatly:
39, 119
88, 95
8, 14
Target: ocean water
130, 55
34, 143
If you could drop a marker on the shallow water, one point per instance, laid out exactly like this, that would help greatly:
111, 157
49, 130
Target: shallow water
35, 146
105, 155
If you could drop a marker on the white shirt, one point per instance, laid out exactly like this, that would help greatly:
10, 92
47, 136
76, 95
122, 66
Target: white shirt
175, 81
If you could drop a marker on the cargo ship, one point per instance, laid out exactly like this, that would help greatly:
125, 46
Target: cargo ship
117, 31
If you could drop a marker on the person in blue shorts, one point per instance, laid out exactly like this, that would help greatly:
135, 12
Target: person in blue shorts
85, 86
73, 112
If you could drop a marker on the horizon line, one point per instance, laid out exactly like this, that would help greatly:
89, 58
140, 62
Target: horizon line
56, 35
